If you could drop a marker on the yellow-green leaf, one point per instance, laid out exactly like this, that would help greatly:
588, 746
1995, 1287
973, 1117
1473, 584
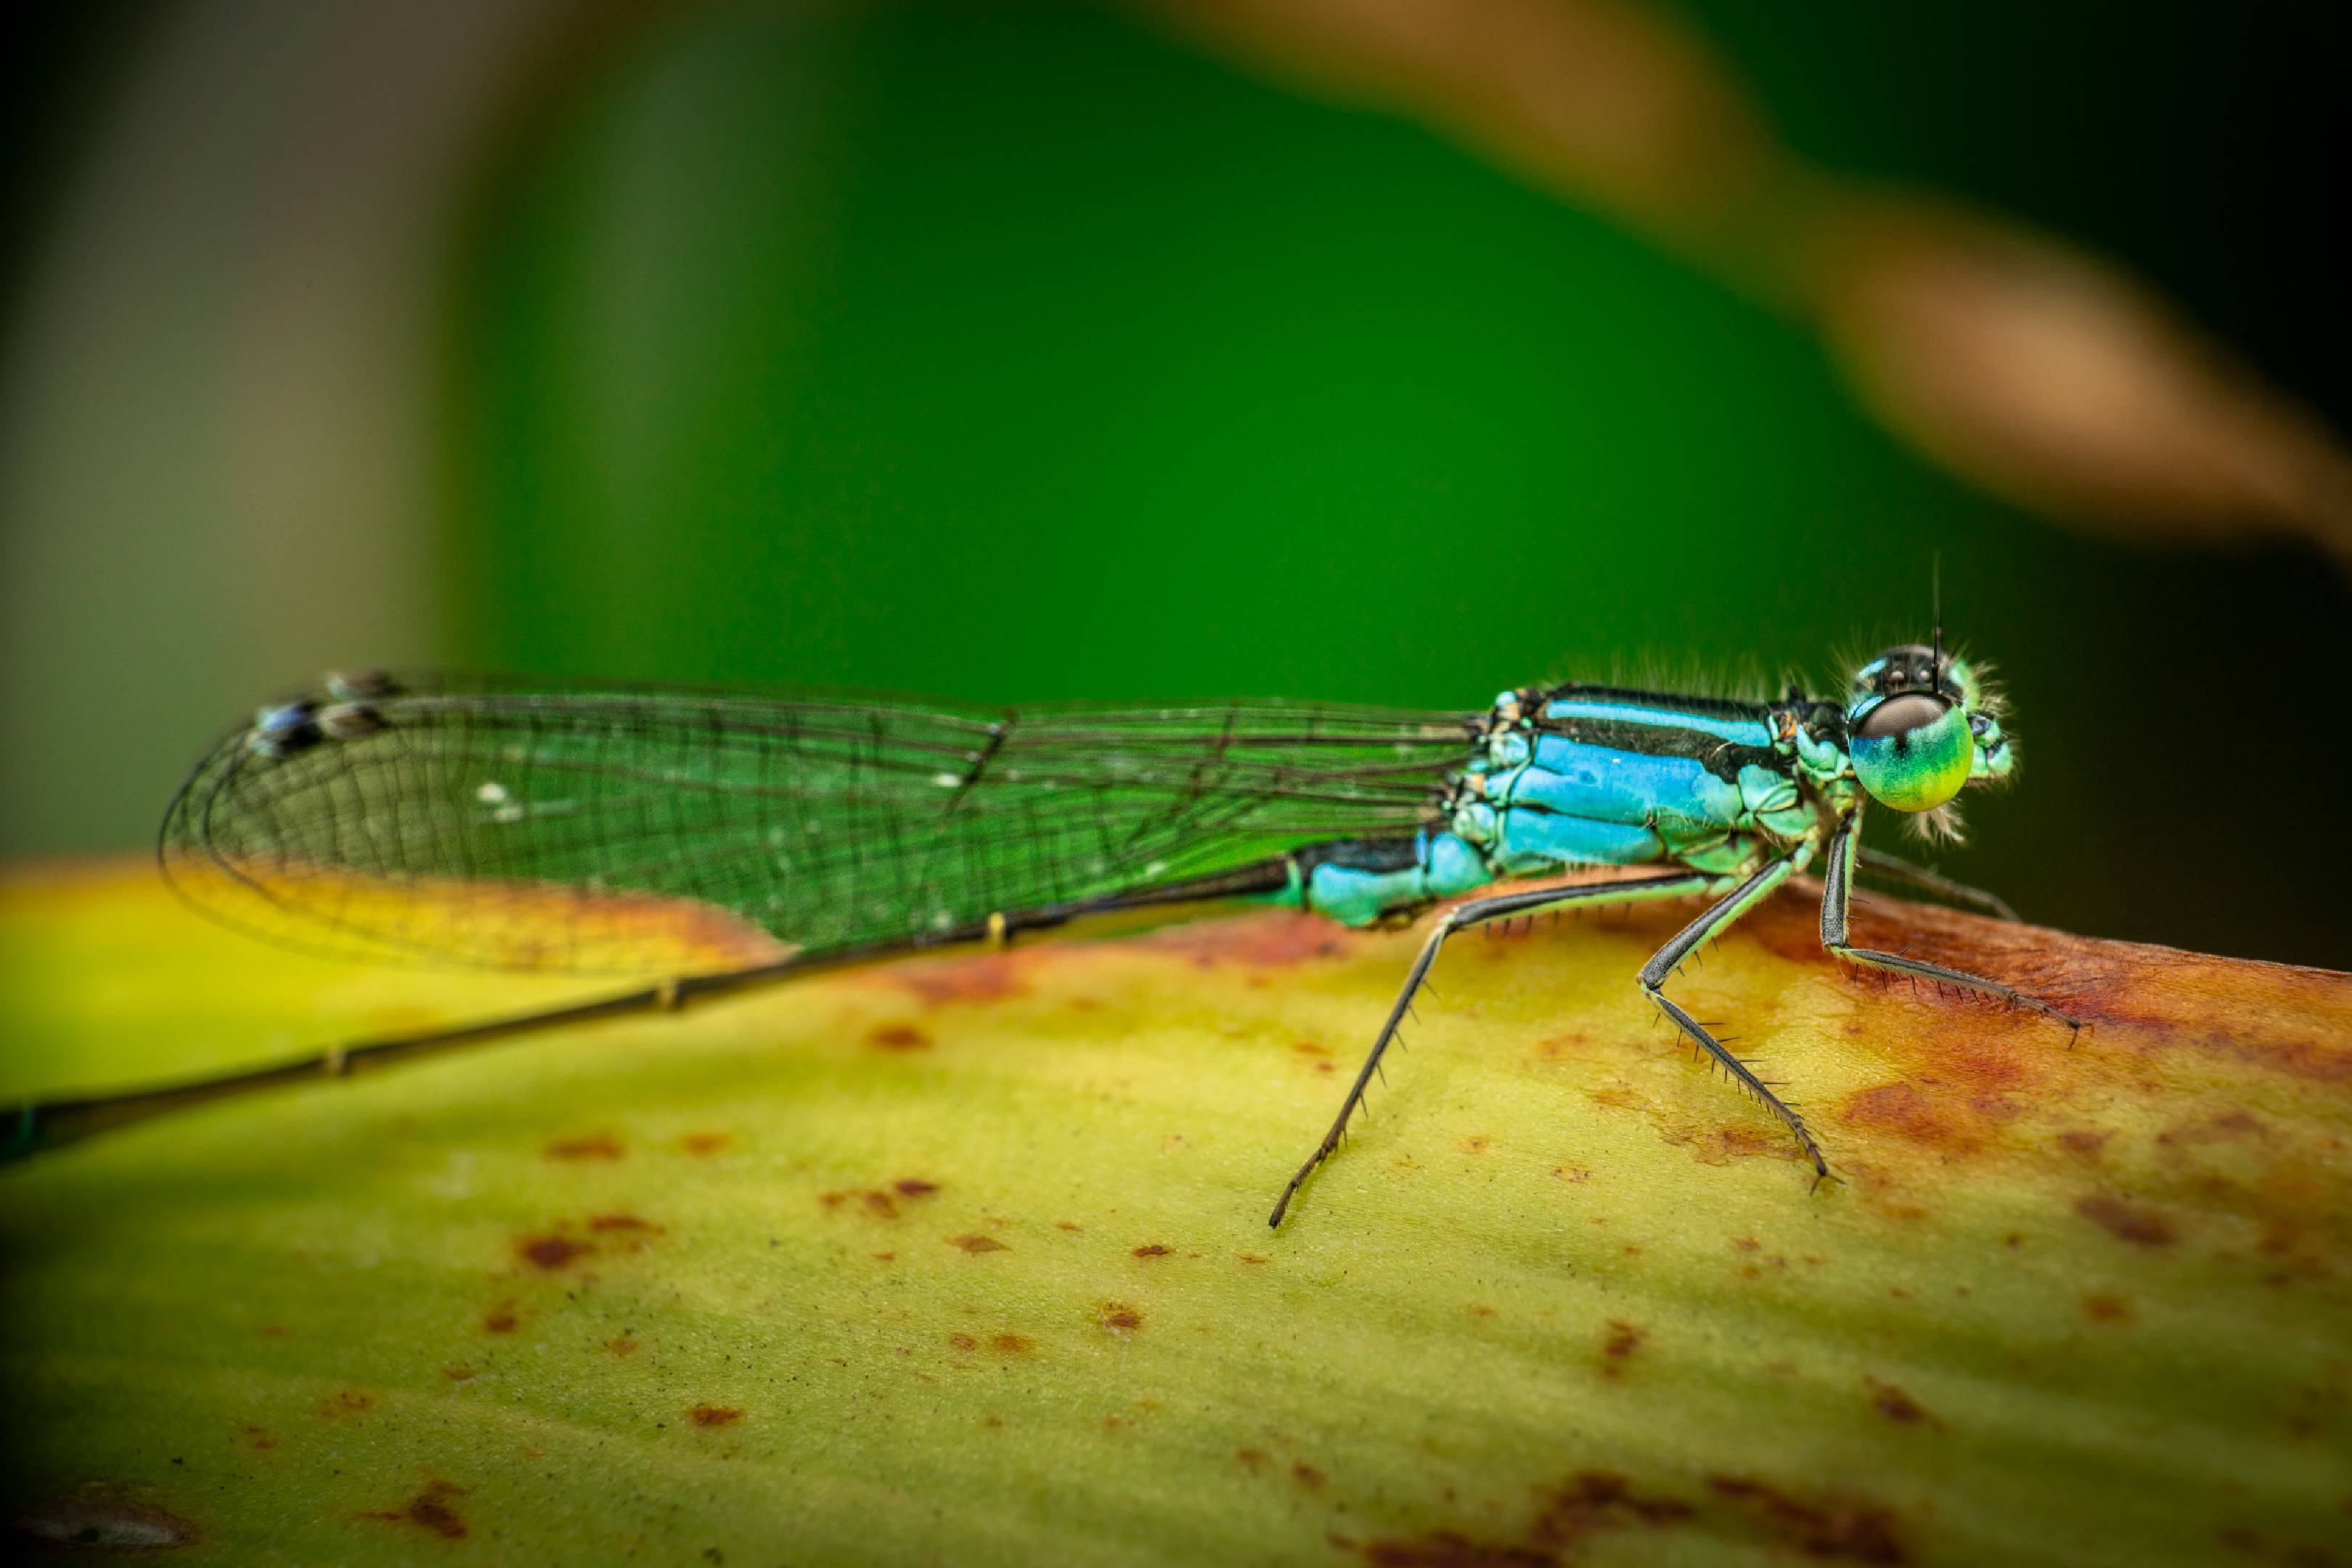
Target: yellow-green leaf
964, 1259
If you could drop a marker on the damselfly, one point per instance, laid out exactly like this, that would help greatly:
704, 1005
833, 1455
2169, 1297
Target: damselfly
446, 818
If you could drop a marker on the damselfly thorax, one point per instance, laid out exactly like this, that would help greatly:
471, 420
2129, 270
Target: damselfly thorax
494, 822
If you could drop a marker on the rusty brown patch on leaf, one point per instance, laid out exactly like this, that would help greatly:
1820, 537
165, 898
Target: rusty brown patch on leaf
622, 1344
624, 1221
1915, 1113
714, 1416
2141, 1227
1153, 1249
593, 1146
1308, 1476
256, 1437
1722, 1145
552, 1252
2107, 1309
459, 1373
500, 1319
1119, 1315
1269, 940
1590, 1502
977, 1243
705, 1143
990, 977
345, 1402
962, 1343
898, 1037
914, 1187
1896, 1405
1841, 1530
1011, 1344
1623, 1340
871, 1201
431, 1510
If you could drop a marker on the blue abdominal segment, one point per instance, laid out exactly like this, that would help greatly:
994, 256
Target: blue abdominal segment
1357, 884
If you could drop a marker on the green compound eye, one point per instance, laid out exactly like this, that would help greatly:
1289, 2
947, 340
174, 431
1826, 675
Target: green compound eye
1912, 751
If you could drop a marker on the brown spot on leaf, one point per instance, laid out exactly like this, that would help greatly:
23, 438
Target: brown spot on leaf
880, 1204
2084, 1142
1591, 1501
914, 1187
963, 1342
898, 1037
430, 1509
551, 1252
1845, 1531
714, 1416
1480, 1309
1618, 1348
1011, 1344
2107, 1309
1917, 1114
593, 1146
274, 1330
1308, 1476
624, 1221
2141, 1227
1310, 1048
1722, 1145
345, 1402
458, 1373
1253, 1258
1153, 1249
1896, 1405
258, 1437
705, 1143
977, 1243
990, 977
1119, 1315
621, 1344
1268, 941
1746, 1243
500, 1319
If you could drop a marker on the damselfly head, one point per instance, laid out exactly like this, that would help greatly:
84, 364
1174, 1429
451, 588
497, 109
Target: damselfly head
1920, 725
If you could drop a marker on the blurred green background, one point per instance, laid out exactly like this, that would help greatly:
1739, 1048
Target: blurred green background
1021, 352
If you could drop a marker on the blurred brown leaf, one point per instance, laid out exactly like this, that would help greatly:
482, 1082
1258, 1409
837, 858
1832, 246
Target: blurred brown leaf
2036, 373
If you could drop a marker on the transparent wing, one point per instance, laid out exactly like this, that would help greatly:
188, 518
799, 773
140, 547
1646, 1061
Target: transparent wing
558, 828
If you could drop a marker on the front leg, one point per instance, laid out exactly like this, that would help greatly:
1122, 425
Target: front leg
1899, 871
1837, 880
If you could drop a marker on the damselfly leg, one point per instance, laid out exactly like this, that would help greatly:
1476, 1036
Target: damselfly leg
1707, 928
1896, 869
1838, 887
1478, 911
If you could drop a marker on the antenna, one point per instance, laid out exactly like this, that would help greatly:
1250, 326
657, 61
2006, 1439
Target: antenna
1936, 597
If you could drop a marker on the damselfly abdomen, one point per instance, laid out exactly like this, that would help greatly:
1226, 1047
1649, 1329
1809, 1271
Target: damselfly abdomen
446, 818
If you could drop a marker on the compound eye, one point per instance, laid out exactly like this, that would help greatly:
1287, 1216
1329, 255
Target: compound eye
1899, 716
1912, 751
